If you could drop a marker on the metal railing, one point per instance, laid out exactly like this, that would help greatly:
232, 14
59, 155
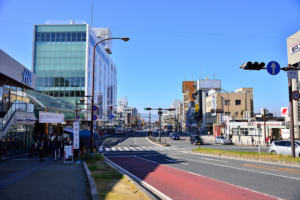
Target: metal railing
16, 106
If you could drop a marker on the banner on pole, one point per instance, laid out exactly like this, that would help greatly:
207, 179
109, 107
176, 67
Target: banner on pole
75, 135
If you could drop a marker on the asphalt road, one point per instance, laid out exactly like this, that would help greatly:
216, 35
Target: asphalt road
177, 172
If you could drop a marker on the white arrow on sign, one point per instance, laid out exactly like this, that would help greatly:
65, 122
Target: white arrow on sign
273, 66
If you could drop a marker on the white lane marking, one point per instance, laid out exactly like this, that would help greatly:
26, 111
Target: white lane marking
214, 159
100, 149
132, 148
113, 149
158, 148
141, 181
107, 149
120, 149
249, 170
184, 163
246, 160
145, 148
139, 148
126, 149
215, 180
151, 148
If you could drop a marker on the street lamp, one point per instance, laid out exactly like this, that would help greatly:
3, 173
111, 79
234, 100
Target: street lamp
227, 106
125, 39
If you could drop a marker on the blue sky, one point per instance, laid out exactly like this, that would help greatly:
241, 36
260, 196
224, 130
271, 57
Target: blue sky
171, 40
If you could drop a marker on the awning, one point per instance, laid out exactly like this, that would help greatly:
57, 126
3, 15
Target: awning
84, 134
69, 130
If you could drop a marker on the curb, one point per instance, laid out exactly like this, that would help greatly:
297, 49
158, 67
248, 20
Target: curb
94, 193
153, 192
161, 145
250, 159
138, 186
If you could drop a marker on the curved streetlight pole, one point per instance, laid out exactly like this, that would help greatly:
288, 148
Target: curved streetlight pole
93, 77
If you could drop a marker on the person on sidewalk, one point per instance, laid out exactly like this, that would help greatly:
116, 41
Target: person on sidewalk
252, 140
267, 141
35, 147
42, 151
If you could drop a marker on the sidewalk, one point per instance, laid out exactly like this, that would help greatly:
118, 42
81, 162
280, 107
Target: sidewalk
31, 179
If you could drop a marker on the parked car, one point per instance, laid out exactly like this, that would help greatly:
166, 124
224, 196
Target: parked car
284, 147
222, 140
196, 139
174, 136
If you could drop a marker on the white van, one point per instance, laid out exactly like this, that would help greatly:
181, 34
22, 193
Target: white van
119, 130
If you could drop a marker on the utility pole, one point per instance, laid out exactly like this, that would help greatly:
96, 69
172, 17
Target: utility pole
150, 121
291, 116
265, 124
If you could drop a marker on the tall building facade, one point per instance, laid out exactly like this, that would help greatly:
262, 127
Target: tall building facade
63, 63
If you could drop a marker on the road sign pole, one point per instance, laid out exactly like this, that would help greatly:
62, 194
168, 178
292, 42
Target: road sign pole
291, 117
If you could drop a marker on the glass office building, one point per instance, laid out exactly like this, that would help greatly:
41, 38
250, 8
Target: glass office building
62, 62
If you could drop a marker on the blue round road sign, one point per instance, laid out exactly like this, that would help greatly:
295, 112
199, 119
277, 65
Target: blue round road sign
273, 68
94, 117
295, 95
77, 116
95, 108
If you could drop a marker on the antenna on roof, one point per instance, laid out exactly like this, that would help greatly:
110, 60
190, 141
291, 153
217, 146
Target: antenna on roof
92, 17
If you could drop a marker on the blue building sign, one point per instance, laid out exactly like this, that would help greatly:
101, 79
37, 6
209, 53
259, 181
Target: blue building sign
27, 77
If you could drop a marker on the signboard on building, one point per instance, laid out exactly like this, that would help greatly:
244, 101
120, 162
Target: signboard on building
48, 117
214, 104
212, 91
111, 94
284, 112
24, 120
293, 48
75, 135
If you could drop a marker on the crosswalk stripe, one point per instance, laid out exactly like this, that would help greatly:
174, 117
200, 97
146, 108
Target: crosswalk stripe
151, 148
107, 149
113, 149
158, 148
139, 148
126, 149
145, 148
120, 149
132, 148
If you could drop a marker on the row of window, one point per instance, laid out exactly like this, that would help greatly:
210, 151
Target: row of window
60, 37
104, 58
64, 93
60, 81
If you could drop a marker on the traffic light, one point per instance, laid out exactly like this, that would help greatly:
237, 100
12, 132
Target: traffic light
147, 108
171, 109
212, 110
252, 66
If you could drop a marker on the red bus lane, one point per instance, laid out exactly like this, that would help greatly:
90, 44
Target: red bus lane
178, 184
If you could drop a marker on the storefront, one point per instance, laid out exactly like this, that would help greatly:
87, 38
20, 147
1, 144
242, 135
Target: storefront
16, 112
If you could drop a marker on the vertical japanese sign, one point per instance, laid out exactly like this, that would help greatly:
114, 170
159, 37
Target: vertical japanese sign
75, 135
214, 104
101, 107
111, 94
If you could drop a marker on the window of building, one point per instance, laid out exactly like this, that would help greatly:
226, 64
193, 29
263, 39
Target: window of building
237, 113
226, 113
242, 113
237, 102
227, 102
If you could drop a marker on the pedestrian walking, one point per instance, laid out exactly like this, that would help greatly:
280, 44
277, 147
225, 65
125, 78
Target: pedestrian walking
267, 141
35, 147
42, 151
280, 137
230, 138
252, 140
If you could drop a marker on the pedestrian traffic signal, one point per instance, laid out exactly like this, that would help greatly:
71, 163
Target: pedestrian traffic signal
252, 66
212, 110
147, 108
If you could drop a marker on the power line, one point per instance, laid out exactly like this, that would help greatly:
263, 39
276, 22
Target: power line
181, 32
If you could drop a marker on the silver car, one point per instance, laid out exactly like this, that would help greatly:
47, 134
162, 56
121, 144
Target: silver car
284, 147
222, 140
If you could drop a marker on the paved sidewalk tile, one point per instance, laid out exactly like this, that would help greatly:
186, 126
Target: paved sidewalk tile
31, 179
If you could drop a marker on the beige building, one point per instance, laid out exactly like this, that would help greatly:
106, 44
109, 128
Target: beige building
239, 103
